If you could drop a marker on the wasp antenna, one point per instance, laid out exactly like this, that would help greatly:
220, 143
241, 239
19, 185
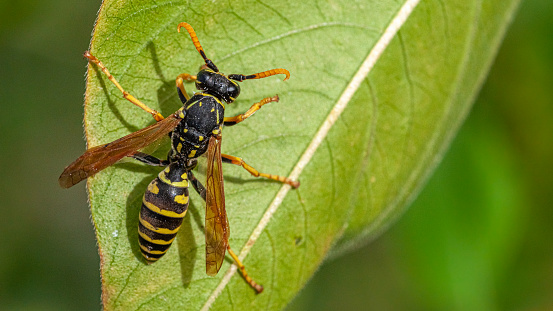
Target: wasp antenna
259, 75
197, 44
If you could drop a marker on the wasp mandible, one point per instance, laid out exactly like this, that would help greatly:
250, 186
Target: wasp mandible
194, 129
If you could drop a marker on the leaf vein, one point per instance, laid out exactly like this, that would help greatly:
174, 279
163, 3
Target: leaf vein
274, 260
294, 32
275, 11
304, 237
411, 111
125, 285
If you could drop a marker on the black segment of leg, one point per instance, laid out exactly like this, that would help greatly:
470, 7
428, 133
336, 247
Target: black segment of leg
225, 160
181, 96
150, 160
230, 123
196, 184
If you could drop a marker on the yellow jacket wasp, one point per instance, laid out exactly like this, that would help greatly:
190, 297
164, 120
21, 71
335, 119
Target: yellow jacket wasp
194, 129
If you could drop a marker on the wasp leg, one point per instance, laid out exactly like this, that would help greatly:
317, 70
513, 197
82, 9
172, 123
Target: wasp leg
229, 121
258, 288
197, 44
180, 85
150, 160
91, 58
260, 75
196, 184
201, 191
238, 161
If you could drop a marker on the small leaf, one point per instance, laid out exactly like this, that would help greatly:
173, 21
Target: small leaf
362, 151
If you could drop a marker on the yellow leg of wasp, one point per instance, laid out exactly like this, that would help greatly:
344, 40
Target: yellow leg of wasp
197, 44
242, 269
238, 161
91, 58
180, 83
241, 117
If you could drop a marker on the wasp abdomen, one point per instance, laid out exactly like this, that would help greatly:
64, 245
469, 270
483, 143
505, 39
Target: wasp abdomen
163, 207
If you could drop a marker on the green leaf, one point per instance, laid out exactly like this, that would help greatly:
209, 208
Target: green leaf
362, 138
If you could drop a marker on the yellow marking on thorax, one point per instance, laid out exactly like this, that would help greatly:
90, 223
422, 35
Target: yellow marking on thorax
212, 96
192, 153
201, 138
163, 212
179, 147
180, 113
158, 242
158, 230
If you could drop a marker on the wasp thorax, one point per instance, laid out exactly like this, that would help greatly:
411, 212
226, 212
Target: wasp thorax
217, 84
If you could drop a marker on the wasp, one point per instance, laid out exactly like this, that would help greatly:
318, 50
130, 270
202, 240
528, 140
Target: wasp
194, 129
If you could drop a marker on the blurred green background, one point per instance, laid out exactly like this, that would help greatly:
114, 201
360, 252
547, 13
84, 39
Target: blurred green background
479, 237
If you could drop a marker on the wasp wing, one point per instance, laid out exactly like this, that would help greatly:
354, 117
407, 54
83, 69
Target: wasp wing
216, 223
98, 158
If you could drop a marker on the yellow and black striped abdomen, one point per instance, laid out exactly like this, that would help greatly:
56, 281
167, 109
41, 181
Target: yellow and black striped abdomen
163, 207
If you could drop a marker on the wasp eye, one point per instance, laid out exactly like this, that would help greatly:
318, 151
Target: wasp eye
203, 77
233, 91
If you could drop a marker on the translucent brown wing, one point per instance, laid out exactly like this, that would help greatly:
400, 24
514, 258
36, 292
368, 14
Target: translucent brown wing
216, 223
98, 158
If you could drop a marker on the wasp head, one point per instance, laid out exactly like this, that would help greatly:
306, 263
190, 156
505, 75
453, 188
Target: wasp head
217, 84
